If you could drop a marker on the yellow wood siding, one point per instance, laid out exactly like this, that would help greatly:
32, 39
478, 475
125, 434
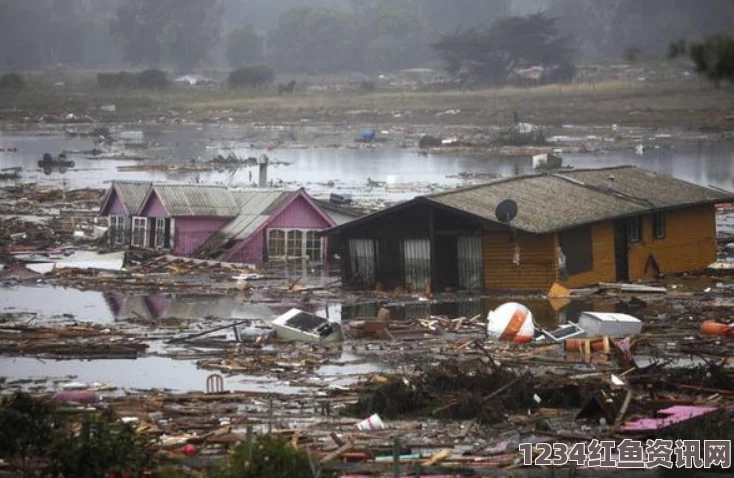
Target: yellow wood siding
689, 243
537, 269
602, 236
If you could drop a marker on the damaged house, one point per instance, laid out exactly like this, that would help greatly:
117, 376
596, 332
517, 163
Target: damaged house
576, 228
214, 222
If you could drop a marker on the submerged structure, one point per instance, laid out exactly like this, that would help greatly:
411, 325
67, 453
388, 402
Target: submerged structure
215, 222
574, 228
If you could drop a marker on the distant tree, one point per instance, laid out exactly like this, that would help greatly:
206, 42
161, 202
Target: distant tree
251, 76
151, 31
12, 81
315, 40
393, 37
490, 55
713, 57
244, 46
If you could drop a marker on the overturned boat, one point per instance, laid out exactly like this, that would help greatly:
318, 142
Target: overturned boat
306, 327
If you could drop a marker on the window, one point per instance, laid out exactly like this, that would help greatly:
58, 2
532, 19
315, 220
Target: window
140, 227
658, 225
313, 245
160, 233
577, 246
634, 229
117, 229
295, 243
276, 243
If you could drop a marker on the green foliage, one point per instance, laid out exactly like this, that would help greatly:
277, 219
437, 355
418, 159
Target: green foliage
12, 81
33, 436
122, 79
491, 55
151, 31
315, 40
270, 456
152, 78
102, 445
26, 429
244, 47
713, 57
251, 76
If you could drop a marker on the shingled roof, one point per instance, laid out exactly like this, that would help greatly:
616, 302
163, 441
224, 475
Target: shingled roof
556, 201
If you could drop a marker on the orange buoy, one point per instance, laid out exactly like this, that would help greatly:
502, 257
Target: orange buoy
711, 327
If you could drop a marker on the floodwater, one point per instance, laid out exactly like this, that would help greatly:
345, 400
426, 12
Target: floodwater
404, 170
62, 304
142, 374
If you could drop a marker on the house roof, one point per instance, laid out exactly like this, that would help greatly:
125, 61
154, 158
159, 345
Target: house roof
194, 200
255, 207
131, 194
557, 201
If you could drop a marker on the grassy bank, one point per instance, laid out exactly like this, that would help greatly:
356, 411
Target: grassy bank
687, 103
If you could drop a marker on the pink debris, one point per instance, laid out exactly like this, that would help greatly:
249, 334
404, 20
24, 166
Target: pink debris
674, 415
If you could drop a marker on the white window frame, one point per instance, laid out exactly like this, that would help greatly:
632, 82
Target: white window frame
136, 226
304, 242
160, 232
118, 229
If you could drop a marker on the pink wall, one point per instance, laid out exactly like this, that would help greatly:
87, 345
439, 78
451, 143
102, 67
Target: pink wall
154, 207
192, 232
250, 251
299, 214
115, 206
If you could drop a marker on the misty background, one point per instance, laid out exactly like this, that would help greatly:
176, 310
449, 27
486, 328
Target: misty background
323, 36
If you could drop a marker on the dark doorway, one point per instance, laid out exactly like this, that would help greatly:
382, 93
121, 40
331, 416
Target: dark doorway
621, 256
447, 272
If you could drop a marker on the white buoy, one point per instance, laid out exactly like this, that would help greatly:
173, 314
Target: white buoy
511, 322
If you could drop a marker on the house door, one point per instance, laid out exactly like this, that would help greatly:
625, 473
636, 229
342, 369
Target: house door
621, 249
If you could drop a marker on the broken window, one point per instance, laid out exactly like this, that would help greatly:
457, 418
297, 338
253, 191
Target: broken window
577, 245
634, 229
162, 231
140, 226
658, 225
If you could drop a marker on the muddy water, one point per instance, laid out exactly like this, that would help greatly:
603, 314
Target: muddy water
144, 374
59, 304
702, 162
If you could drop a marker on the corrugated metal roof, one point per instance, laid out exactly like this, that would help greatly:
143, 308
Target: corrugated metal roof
255, 207
197, 200
552, 202
132, 194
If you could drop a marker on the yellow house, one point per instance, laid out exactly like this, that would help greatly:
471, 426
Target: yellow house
576, 228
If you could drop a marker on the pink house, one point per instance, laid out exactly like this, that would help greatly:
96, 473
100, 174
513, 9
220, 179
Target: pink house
121, 203
271, 225
215, 222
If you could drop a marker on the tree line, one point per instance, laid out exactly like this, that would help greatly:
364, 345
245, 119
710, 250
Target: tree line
324, 36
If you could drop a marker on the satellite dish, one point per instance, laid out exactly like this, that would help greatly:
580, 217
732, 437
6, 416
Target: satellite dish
506, 211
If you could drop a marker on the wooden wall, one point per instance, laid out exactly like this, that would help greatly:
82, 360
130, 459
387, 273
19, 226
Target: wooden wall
604, 270
537, 269
689, 243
